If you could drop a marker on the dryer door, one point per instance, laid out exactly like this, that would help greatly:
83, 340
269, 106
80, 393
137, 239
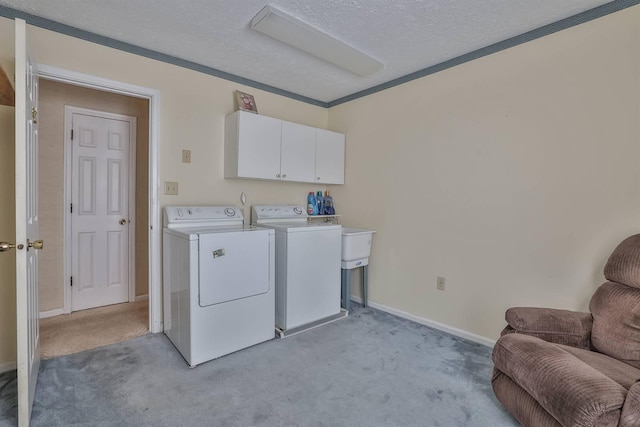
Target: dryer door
233, 265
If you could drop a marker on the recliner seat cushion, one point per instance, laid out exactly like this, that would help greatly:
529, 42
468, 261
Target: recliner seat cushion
622, 373
570, 390
616, 322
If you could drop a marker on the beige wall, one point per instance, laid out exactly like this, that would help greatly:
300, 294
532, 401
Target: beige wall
514, 176
53, 98
7, 234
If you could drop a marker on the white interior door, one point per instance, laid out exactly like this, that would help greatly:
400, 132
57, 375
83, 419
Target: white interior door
26, 146
100, 218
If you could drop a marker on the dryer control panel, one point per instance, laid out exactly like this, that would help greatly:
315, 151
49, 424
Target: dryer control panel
189, 216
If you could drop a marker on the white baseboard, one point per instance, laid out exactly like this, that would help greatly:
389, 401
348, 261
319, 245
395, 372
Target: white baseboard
431, 323
9, 366
51, 313
142, 297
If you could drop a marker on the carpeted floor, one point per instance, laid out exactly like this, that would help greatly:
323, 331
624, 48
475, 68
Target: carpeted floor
370, 369
89, 329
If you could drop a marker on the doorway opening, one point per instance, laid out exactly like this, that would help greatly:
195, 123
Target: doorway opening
92, 265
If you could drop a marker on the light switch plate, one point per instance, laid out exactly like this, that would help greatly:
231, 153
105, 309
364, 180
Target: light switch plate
170, 188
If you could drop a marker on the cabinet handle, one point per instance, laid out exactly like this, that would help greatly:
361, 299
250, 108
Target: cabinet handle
278, 176
284, 176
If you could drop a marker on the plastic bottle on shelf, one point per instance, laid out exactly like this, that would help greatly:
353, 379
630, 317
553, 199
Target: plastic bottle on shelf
312, 204
328, 204
320, 203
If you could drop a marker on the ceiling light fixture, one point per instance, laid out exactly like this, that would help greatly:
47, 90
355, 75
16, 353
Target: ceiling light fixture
289, 30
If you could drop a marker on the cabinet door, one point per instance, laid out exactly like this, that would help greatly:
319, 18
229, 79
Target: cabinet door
258, 146
329, 157
298, 155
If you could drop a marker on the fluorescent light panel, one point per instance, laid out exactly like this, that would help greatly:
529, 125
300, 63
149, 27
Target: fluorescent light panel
289, 30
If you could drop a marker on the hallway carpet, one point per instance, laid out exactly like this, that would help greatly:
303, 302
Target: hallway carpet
370, 369
88, 329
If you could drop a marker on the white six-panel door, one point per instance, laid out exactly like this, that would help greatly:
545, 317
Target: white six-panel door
99, 208
27, 245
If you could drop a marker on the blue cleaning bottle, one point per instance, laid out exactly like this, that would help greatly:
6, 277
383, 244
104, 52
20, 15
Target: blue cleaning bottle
312, 204
320, 203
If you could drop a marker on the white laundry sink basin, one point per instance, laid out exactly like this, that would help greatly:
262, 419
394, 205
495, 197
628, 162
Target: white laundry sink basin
356, 243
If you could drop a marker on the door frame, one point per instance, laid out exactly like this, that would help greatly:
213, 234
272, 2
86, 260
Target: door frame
69, 111
155, 226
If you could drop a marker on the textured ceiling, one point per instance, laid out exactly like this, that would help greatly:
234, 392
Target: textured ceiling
406, 35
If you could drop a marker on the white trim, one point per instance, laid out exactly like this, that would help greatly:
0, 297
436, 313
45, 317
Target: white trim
52, 313
69, 111
142, 298
430, 323
8, 366
155, 227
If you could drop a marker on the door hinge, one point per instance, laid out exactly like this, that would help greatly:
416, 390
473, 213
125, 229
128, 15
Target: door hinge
72, 134
71, 281
71, 208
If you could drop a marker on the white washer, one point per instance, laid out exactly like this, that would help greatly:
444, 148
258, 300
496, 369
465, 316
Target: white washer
308, 258
218, 281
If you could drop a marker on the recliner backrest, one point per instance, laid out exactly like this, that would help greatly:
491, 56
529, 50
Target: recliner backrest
615, 306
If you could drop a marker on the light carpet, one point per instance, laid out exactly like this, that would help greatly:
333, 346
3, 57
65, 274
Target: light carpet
89, 329
370, 369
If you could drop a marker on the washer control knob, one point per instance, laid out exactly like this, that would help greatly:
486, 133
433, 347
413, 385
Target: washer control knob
230, 212
297, 210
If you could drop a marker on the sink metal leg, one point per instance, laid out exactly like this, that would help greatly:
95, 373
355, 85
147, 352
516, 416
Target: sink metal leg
365, 284
346, 289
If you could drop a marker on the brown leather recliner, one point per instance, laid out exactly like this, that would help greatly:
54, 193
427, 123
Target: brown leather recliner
563, 368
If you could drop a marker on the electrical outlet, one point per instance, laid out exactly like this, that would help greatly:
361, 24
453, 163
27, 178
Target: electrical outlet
186, 156
440, 283
171, 188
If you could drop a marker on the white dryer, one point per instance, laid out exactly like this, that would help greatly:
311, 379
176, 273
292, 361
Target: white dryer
218, 281
308, 263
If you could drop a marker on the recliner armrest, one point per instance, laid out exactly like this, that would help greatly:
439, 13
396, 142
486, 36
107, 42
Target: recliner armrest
556, 326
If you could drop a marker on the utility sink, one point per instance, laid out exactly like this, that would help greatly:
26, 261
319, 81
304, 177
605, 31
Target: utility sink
356, 244
356, 248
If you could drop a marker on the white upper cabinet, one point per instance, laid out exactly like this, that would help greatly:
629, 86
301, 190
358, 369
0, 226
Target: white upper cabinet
262, 147
329, 157
252, 146
298, 152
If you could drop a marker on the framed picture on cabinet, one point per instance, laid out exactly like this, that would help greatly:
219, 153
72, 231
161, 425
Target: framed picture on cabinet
246, 102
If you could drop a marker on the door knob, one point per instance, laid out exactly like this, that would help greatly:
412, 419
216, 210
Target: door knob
123, 221
37, 244
5, 246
